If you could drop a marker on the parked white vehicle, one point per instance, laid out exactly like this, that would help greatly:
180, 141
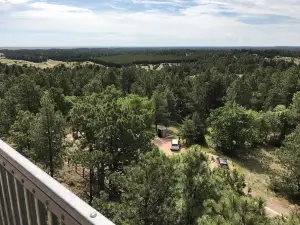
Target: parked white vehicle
175, 145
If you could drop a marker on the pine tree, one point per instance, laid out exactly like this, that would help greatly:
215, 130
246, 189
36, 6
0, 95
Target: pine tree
19, 134
234, 209
47, 136
148, 188
161, 112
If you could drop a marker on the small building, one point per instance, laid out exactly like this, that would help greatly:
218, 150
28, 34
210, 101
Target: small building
162, 132
1, 54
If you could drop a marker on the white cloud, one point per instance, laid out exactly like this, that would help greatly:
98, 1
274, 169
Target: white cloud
255, 7
7, 5
50, 7
14, 1
152, 2
50, 24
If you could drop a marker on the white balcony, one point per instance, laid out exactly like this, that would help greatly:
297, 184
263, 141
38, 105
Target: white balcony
29, 196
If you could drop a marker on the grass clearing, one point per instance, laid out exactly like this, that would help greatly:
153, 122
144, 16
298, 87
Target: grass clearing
173, 131
257, 167
72, 181
52, 63
288, 59
43, 65
48, 64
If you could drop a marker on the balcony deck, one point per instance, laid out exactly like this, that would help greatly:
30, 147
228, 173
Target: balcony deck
29, 196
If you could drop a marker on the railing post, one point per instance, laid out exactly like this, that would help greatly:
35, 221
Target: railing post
18, 201
1, 213
50, 219
4, 198
27, 205
37, 211
10, 198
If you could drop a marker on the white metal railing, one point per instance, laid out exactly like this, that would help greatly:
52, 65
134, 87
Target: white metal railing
29, 196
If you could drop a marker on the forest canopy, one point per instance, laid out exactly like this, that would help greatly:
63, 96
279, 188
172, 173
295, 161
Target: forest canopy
230, 99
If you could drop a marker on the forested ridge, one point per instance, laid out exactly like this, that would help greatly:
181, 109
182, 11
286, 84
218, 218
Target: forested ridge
119, 57
240, 99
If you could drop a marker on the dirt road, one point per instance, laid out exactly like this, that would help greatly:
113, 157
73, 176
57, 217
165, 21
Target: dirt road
275, 206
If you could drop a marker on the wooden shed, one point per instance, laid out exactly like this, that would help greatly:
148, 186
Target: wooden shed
162, 132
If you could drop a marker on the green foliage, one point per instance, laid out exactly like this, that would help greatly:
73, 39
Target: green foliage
22, 94
275, 124
19, 134
113, 125
148, 191
293, 219
94, 86
110, 77
46, 135
146, 82
157, 189
5, 118
192, 130
127, 79
114, 131
207, 92
161, 112
25, 93
129, 59
233, 128
288, 180
234, 210
295, 107
197, 185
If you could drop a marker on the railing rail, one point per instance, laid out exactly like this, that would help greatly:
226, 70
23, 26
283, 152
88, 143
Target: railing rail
29, 196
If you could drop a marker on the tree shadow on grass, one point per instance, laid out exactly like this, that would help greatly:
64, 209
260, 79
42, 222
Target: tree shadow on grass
255, 160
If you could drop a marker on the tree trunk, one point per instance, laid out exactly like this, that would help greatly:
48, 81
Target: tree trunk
91, 185
50, 154
101, 177
28, 142
114, 194
145, 214
91, 178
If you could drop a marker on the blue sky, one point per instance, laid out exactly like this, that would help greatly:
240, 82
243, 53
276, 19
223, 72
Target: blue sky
48, 23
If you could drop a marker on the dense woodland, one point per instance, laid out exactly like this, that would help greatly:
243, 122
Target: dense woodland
119, 57
240, 100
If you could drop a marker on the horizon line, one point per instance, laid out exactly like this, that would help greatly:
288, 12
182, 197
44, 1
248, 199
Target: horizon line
107, 47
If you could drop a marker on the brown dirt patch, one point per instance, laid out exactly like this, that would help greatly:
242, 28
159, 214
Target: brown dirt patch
72, 180
165, 145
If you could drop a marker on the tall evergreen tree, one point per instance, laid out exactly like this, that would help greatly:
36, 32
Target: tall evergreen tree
19, 134
47, 136
161, 112
148, 188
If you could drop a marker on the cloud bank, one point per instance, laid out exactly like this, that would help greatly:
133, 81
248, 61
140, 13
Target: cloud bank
31, 23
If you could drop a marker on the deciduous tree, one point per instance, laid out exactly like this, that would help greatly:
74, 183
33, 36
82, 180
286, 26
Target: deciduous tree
233, 127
